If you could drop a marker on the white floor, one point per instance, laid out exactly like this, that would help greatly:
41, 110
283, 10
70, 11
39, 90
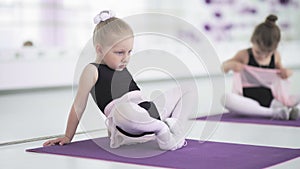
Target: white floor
27, 117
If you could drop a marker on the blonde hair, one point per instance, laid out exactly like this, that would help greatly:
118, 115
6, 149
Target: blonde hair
110, 31
267, 34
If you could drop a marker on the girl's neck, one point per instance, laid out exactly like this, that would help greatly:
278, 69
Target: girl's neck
263, 61
99, 60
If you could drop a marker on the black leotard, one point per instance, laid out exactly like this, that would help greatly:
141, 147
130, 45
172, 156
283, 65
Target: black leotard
261, 94
113, 84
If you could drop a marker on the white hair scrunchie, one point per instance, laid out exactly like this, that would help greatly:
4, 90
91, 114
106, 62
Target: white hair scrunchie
103, 16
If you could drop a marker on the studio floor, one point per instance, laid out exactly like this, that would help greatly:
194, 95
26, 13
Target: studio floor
30, 117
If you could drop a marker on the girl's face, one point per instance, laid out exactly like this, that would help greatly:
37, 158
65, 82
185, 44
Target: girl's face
117, 57
260, 54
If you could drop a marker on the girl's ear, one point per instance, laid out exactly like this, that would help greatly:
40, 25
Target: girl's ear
99, 49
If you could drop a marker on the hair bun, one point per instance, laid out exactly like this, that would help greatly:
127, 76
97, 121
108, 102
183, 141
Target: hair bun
271, 18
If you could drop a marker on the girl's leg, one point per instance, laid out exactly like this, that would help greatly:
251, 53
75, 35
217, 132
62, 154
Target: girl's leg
175, 107
135, 120
249, 107
177, 103
166, 101
295, 110
295, 113
293, 106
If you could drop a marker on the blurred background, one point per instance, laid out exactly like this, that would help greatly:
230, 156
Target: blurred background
59, 30
41, 41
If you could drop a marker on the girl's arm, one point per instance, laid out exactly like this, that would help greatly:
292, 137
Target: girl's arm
283, 73
87, 80
236, 63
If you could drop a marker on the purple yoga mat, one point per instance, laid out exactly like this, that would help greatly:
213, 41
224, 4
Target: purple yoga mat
194, 155
231, 117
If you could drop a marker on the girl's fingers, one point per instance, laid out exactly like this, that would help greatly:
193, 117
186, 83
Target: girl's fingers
46, 143
59, 141
50, 143
62, 143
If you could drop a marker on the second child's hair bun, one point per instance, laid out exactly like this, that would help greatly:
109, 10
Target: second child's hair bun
271, 19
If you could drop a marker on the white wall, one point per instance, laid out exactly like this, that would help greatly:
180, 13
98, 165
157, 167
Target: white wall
60, 39
50, 72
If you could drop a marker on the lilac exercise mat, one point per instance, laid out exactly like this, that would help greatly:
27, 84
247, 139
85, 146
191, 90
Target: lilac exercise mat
194, 155
231, 117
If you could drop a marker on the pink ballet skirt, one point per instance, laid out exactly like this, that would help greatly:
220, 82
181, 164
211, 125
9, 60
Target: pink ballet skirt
254, 77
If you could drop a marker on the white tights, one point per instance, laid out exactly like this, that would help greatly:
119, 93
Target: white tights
247, 106
176, 103
174, 107
136, 120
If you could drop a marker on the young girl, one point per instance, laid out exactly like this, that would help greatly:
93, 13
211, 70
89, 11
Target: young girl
259, 101
130, 119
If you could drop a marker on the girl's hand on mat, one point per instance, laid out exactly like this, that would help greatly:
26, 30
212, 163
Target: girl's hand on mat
61, 141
